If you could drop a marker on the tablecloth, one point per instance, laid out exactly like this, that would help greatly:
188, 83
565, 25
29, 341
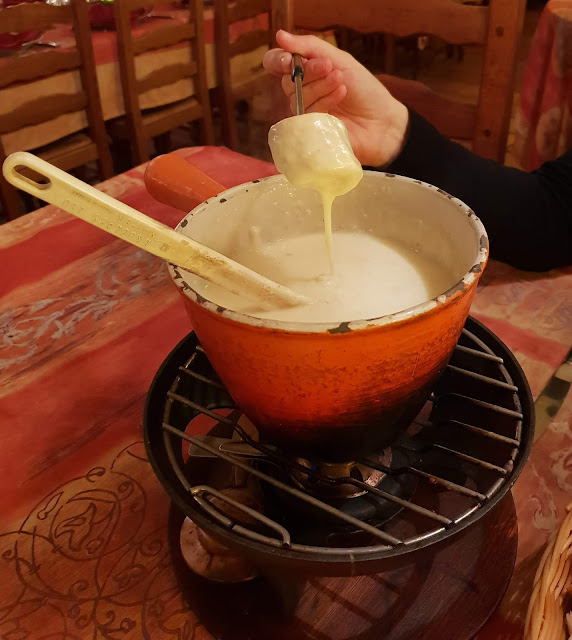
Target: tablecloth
85, 321
543, 122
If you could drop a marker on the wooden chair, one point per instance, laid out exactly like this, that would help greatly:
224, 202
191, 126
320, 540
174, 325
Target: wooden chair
72, 151
231, 90
139, 126
497, 27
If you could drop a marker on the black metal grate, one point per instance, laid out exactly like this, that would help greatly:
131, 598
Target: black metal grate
463, 454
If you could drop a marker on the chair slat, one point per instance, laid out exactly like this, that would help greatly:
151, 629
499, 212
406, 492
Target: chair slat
38, 65
244, 9
166, 76
248, 42
163, 37
41, 110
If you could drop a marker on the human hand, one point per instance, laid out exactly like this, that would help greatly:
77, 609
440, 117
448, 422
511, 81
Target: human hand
336, 83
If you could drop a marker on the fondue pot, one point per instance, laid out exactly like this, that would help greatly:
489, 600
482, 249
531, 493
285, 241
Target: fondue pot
329, 391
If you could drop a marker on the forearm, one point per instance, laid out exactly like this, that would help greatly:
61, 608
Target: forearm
528, 216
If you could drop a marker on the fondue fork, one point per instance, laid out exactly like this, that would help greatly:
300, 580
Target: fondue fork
297, 76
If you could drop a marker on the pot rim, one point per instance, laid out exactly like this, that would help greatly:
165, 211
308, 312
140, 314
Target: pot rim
342, 327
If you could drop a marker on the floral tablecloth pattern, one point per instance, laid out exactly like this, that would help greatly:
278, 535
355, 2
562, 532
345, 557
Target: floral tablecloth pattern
85, 321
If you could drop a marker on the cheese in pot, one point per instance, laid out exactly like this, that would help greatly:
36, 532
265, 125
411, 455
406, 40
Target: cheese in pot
354, 275
313, 152
372, 278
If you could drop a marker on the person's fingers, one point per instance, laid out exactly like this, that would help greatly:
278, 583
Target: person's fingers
320, 88
277, 62
309, 46
326, 103
313, 70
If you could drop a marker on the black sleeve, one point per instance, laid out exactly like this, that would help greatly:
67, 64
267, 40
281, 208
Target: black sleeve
528, 216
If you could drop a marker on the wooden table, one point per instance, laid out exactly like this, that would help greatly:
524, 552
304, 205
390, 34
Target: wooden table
85, 321
544, 116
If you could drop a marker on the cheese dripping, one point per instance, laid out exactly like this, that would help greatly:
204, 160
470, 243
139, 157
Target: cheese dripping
313, 151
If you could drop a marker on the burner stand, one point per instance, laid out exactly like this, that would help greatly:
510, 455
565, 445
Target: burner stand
450, 542
314, 527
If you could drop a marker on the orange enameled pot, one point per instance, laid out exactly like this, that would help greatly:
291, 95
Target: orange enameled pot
332, 391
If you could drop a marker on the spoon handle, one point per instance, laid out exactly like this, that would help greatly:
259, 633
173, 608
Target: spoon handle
173, 181
83, 201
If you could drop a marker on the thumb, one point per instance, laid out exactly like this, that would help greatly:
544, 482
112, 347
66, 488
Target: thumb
308, 46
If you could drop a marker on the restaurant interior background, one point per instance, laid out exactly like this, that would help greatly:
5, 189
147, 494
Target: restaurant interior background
449, 70
92, 327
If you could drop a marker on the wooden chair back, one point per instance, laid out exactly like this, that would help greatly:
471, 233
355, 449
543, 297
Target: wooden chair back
496, 27
42, 63
228, 16
171, 33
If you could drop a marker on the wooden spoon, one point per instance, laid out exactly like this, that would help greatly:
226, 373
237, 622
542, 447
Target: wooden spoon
97, 208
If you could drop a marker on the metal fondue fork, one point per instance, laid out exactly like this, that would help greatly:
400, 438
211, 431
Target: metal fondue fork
297, 75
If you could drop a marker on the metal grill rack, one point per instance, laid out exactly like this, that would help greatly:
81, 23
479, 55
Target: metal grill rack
464, 451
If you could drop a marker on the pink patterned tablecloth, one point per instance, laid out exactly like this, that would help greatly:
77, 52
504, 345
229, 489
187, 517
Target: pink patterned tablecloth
85, 321
543, 122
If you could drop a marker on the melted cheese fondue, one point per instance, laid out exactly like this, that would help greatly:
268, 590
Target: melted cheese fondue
313, 152
372, 278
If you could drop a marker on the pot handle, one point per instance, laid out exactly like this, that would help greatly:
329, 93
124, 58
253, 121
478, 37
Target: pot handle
173, 181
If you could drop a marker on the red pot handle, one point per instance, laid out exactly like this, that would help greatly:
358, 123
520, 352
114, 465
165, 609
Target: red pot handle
173, 181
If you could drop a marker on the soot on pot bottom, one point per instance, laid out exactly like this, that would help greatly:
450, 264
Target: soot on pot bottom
319, 384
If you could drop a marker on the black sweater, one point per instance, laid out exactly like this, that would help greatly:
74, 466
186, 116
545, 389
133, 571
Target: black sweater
528, 216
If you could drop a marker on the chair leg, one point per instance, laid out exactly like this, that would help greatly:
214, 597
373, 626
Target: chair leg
229, 130
228, 118
105, 164
139, 150
207, 129
163, 143
121, 156
80, 172
11, 205
389, 56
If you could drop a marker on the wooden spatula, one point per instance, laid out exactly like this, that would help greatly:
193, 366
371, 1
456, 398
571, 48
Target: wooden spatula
81, 200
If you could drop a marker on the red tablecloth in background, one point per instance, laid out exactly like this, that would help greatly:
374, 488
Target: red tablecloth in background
85, 321
544, 124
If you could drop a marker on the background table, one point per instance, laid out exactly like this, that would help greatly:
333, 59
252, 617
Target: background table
108, 76
543, 121
243, 67
85, 321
